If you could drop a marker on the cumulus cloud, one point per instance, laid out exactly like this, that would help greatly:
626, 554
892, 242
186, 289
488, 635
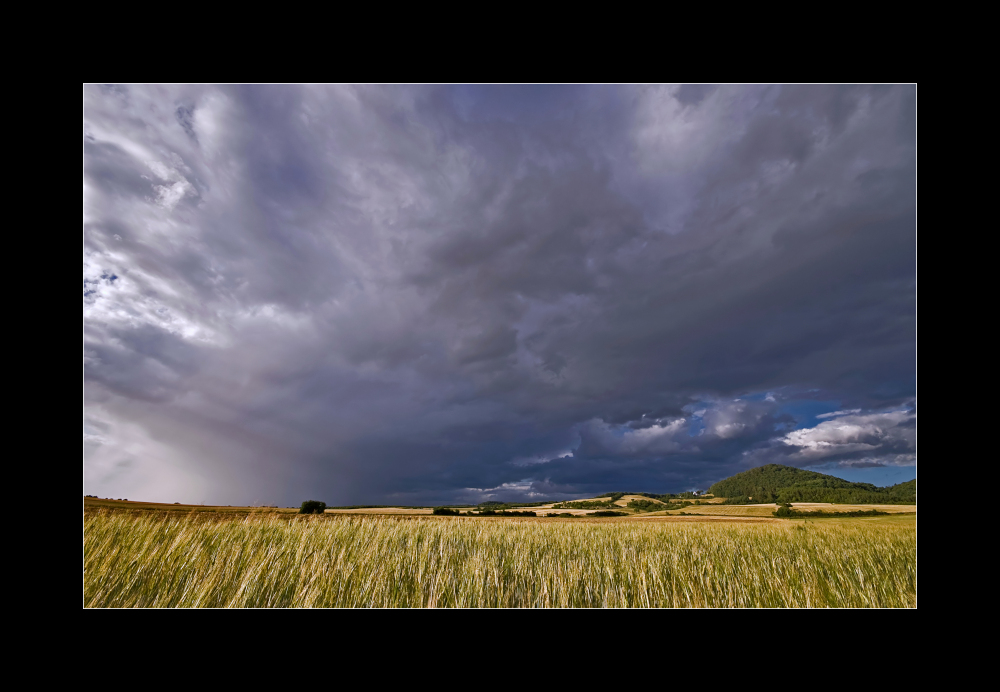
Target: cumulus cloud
600, 438
372, 294
736, 418
890, 432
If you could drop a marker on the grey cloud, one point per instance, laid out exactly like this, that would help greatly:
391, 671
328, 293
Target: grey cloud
849, 433
110, 169
397, 292
851, 439
693, 94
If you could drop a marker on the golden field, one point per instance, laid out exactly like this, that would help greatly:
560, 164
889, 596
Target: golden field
173, 559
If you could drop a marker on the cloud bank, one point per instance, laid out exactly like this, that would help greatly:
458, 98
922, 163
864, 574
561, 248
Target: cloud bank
410, 294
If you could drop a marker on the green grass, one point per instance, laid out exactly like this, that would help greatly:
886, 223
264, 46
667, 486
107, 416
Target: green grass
205, 560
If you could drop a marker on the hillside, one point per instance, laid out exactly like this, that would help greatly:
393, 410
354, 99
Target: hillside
777, 483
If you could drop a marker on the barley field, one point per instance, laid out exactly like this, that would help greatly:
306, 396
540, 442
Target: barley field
267, 561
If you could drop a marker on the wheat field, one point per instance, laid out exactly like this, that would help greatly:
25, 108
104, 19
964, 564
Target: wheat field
265, 561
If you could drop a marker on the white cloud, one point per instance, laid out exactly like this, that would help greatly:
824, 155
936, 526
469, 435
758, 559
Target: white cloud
834, 414
515, 491
659, 438
734, 418
854, 433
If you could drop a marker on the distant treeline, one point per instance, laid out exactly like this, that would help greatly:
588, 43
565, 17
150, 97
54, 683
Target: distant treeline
790, 513
600, 513
494, 505
650, 506
584, 504
784, 484
445, 511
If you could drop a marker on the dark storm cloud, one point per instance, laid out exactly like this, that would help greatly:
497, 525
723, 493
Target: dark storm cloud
692, 94
377, 294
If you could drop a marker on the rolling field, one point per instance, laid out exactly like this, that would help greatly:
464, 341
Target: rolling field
146, 559
828, 507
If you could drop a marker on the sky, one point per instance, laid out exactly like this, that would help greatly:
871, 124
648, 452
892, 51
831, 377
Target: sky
451, 294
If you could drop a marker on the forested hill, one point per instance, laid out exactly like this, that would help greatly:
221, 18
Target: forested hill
777, 483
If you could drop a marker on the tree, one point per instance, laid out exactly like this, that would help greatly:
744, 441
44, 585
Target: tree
312, 507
